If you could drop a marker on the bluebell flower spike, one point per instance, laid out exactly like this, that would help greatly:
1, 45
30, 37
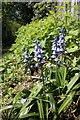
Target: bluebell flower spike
43, 61
25, 64
56, 59
58, 45
25, 60
49, 67
36, 41
56, 38
37, 65
63, 31
38, 52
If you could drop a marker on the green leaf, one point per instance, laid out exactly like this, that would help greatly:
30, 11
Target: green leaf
25, 113
46, 105
74, 6
19, 95
52, 102
31, 50
51, 12
61, 7
74, 62
68, 37
6, 107
31, 114
67, 1
72, 32
72, 82
61, 76
76, 87
34, 92
66, 102
42, 43
40, 108
73, 49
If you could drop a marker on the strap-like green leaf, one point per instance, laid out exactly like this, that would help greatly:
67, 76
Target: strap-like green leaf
40, 108
72, 82
18, 96
52, 103
46, 105
66, 102
6, 107
25, 113
34, 93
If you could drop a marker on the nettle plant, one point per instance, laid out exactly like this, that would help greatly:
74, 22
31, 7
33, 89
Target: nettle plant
54, 91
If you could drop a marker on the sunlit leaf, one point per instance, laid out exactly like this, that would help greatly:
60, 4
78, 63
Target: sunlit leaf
40, 108
72, 82
34, 92
66, 102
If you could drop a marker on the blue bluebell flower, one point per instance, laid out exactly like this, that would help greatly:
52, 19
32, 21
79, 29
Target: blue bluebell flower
25, 60
28, 70
23, 48
43, 61
38, 52
63, 31
23, 101
61, 62
30, 60
26, 55
49, 66
56, 59
56, 38
25, 64
36, 59
36, 42
61, 39
46, 78
31, 66
58, 45
37, 65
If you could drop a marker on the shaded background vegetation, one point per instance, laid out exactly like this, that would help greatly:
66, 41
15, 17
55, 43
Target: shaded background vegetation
16, 14
13, 16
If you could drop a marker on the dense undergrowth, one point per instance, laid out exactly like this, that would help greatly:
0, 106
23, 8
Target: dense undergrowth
56, 84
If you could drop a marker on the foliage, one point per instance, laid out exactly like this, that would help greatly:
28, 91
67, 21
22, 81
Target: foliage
15, 14
42, 9
57, 83
14, 11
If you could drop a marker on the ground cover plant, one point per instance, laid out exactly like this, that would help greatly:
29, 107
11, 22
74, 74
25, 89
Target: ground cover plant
46, 53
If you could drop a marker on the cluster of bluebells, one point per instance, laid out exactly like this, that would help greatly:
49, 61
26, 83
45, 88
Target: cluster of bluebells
37, 60
38, 54
26, 60
26, 56
58, 45
57, 49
